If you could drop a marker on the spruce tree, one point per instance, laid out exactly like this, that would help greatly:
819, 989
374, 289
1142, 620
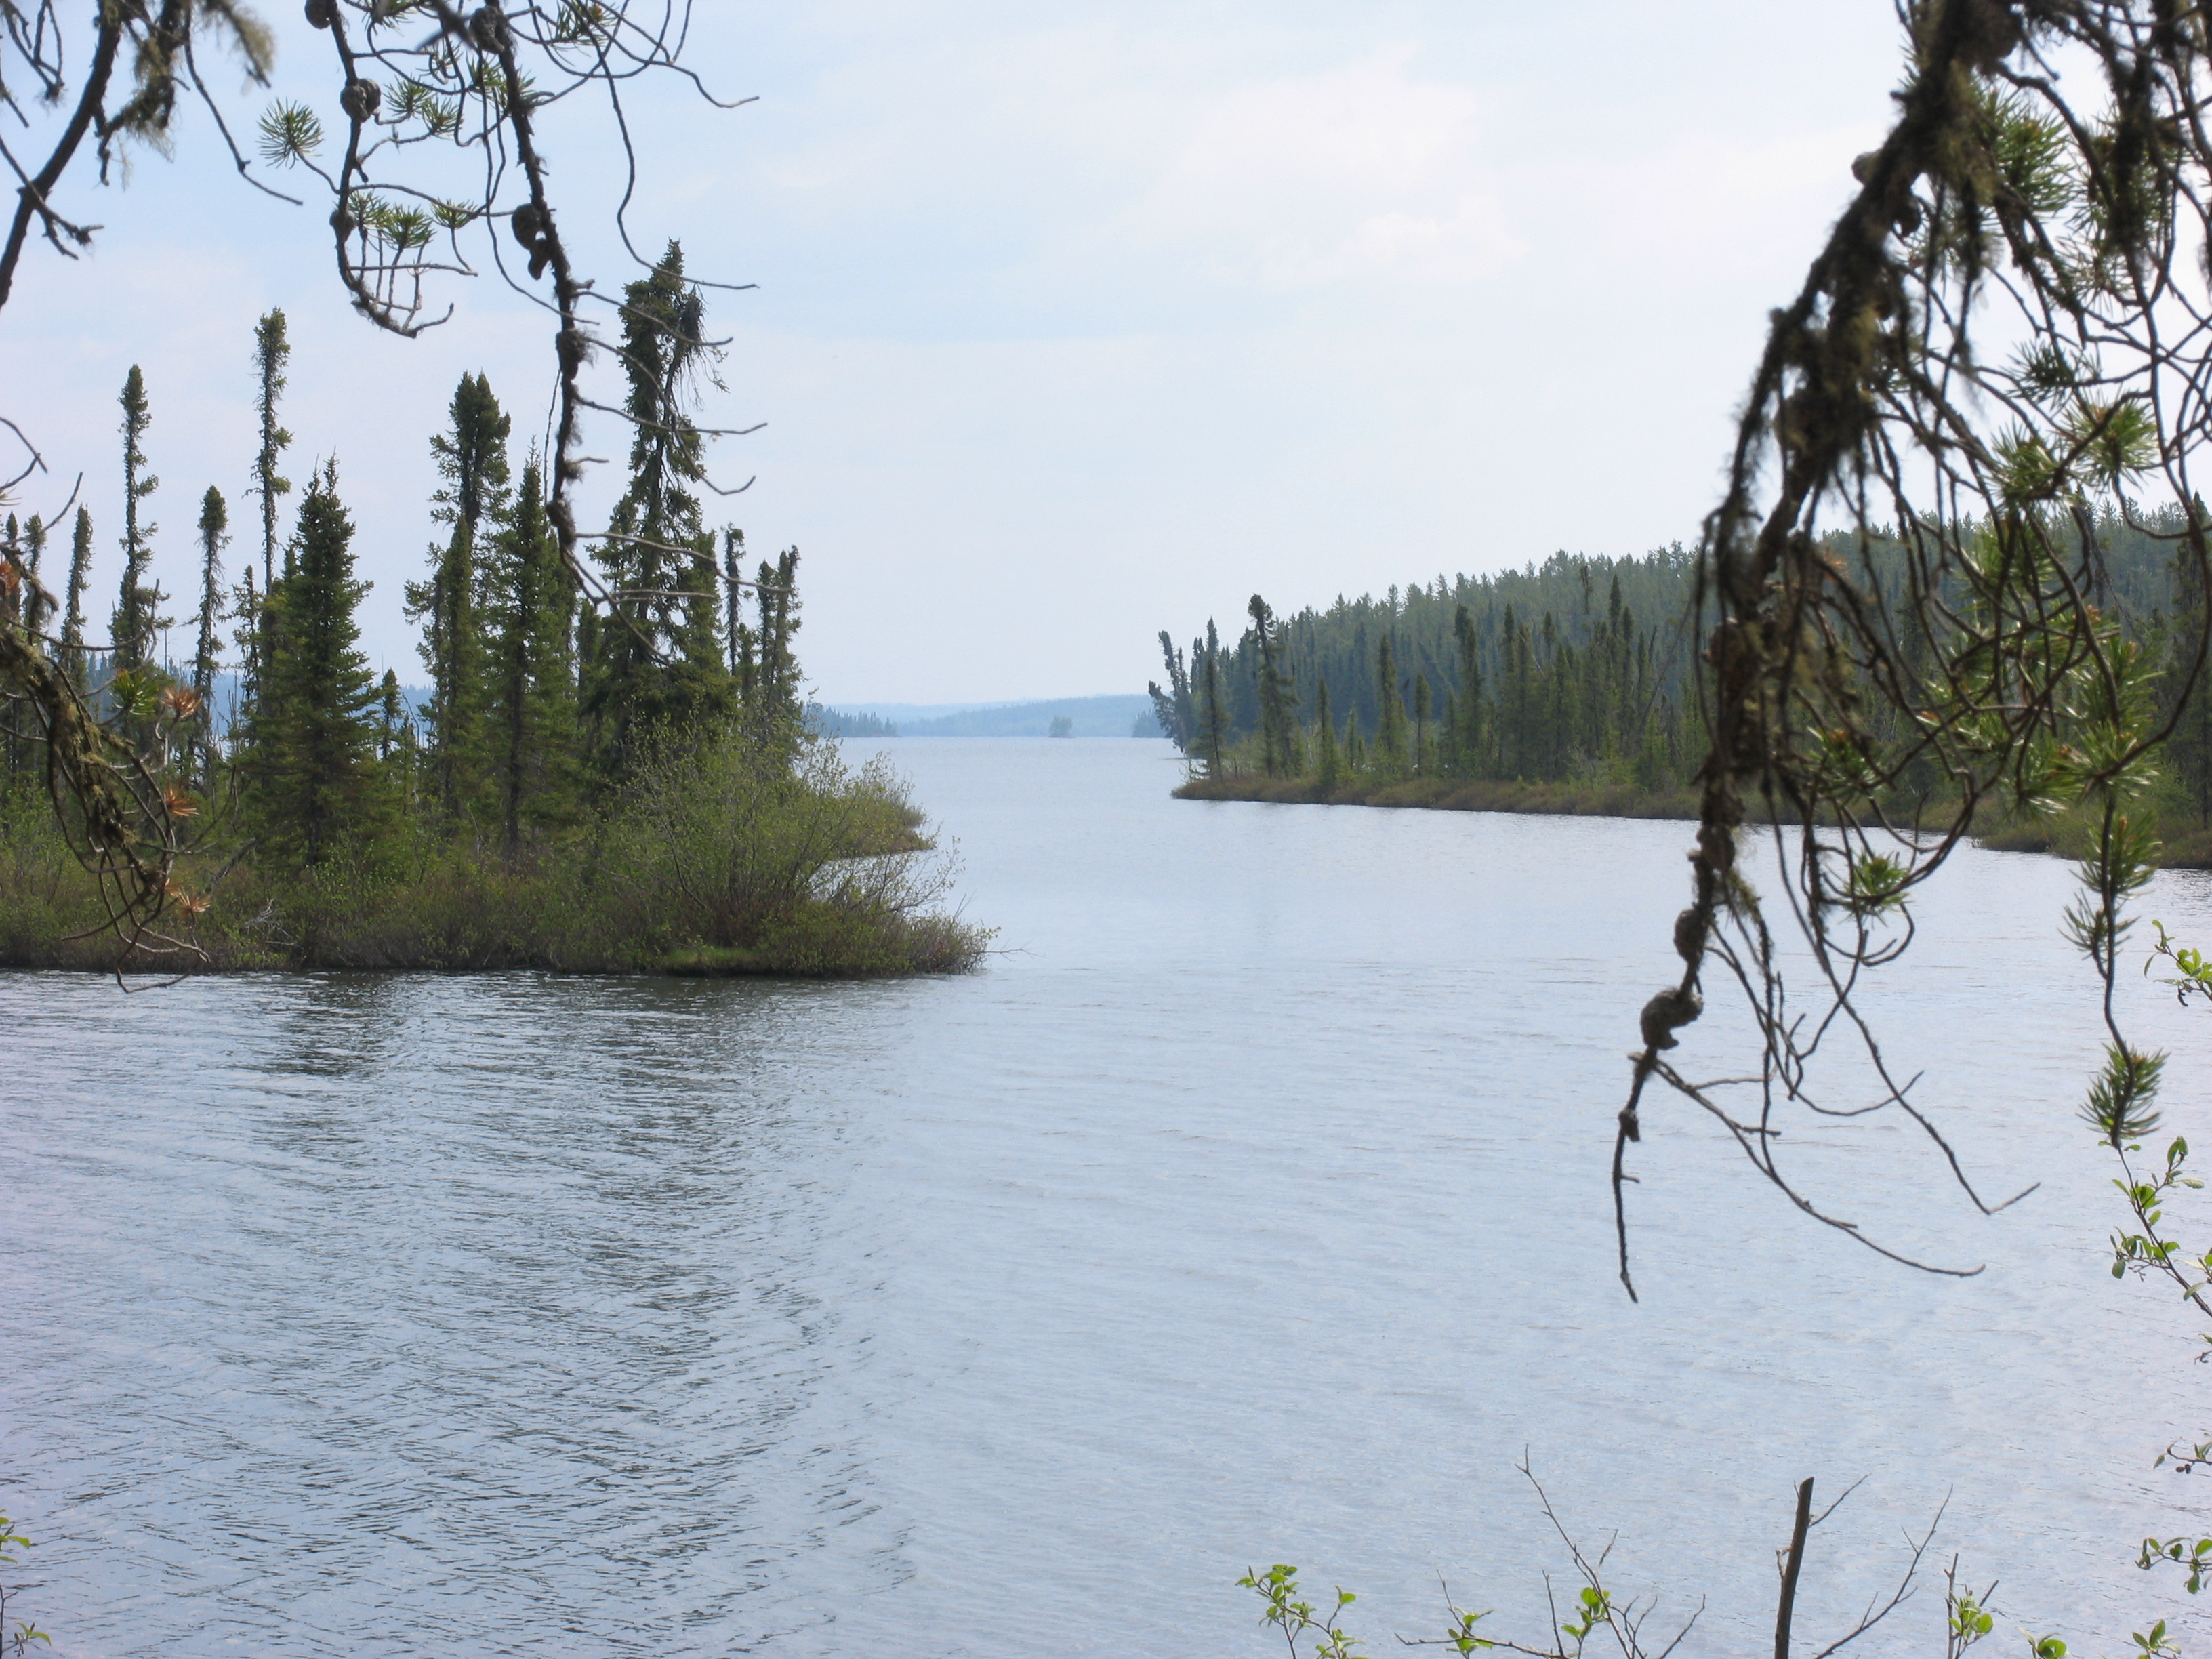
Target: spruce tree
1212, 714
1390, 722
315, 778
391, 715
773, 697
245, 609
257, 645
132, 628
80, 572
1513, 698
1550, 739
1653, 766
1331, 764
215, 526
1463, 717
15, 590
38, 607
650, 665
1173, 711
272, 350
1421, 704
472, 498
532, 711
15, 594
699, 686
737, 638
396, 748
1278, 700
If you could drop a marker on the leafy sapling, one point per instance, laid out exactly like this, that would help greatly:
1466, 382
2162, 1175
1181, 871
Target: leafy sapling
16, 1642
1297, 1619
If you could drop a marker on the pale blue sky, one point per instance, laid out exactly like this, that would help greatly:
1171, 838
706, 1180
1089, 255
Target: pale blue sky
1079, 321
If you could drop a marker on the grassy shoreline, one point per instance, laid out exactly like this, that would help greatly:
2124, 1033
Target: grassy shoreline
1454, 795
711, 865
459, 914
2182, 847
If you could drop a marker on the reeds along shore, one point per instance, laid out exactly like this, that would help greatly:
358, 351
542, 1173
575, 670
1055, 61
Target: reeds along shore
1615, 801
2184, 843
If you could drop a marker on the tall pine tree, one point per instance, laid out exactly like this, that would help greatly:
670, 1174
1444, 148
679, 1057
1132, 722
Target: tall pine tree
532, 716
316, 783
1390, 719
472, 497
1464, 718
12, 586
15, 591
773, 697
272, 351
80, 572
1213, 709
657, 658
1330, 763
1278, 698
207, 657
743, 639
37, 605
138, 600
245, 608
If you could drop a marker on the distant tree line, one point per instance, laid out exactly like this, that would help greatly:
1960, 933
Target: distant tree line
1571, 669
1576, 670
847, 722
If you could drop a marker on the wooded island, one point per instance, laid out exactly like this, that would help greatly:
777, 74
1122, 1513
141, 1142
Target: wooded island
625, 786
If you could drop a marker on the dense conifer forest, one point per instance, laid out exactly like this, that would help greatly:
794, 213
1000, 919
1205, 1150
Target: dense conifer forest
1568, 686
1566, 671
628, 785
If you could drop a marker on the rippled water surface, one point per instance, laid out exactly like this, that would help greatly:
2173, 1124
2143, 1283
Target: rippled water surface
1250, 1207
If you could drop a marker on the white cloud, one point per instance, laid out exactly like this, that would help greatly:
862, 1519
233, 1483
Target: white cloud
1472, 241
1728, 203
1363, 172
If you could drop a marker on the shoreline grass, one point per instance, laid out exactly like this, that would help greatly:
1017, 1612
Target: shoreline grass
2066, 835
1611, 801
461, 915
713, 864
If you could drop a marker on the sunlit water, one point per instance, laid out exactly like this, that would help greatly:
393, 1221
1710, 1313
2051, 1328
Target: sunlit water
1251, 1206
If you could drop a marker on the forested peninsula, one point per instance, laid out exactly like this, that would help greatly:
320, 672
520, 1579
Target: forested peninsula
1569, 687
629, 785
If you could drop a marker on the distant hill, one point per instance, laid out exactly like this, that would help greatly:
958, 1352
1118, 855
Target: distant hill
906, 714
1086, 717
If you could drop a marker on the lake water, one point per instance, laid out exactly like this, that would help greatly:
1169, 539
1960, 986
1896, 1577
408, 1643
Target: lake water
1250, 1207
